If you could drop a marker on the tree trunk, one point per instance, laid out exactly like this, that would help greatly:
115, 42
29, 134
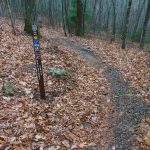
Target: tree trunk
11, 18
64, 18
66, 15
138, 17
114, 21
107, 20
100, 14
124, 34
145, 25
29, 9
50, 14
94, 16
84, 15
80, 21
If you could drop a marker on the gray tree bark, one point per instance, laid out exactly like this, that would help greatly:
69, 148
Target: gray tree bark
124, 34
11, 18
29, 15
80, 17
114, 21
145, 25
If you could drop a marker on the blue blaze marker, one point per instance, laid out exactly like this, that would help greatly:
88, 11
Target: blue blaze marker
36, 43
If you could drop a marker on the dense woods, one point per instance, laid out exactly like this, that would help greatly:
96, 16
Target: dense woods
126, 19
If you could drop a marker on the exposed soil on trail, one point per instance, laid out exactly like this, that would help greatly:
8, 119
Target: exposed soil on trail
130, 107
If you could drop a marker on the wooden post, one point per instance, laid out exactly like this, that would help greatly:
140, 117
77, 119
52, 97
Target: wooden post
38, 61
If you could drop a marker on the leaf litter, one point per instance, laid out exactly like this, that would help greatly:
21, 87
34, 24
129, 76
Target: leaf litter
76, 114
134, 65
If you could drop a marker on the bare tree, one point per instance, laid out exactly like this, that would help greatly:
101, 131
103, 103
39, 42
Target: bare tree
11, 17
94, 15
107, 16
138, 16
80, 17
84, 15
145, 25
29, 15
114, 20
124, 34
64, 17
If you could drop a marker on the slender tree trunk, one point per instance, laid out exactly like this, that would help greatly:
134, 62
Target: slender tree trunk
107, 20
124, 34
114, 21
29, 15
94, 15
79, 22
100, 14
64, 18
138, 19
66, 15
84, 15
50, 13
2, 8
11, 18
145, 25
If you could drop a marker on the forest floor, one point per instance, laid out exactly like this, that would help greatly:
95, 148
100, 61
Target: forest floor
102, 105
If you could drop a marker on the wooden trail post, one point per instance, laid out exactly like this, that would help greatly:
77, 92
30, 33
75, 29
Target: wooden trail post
38, 61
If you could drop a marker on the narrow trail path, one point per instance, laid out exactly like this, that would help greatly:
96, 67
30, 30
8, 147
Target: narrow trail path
130, 108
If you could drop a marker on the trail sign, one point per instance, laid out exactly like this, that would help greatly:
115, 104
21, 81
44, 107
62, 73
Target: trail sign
38, 61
